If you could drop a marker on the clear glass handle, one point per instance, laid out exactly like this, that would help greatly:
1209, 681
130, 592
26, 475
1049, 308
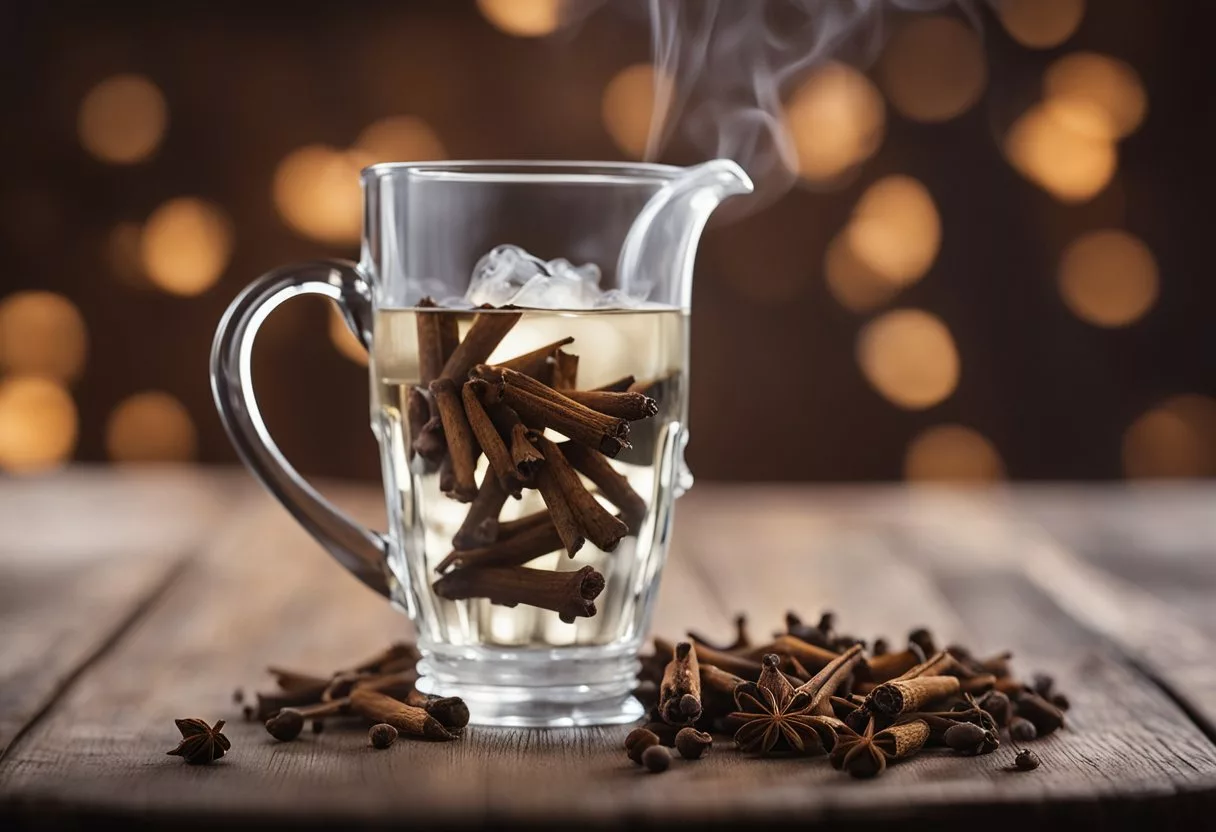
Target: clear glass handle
361, 550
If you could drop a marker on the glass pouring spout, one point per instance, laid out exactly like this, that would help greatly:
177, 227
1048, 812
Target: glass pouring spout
663, 239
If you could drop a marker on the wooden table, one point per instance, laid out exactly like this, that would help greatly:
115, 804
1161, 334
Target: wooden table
128, 599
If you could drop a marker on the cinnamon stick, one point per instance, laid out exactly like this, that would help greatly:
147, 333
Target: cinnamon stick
907, 695
612, 483
717, 690
487, 331
597, 524
570, 594
510, 528
892, 665
480, 526
539, 363
680, 690
746, 668
438, 336
543, 406
513, 550
621, 385
407, 719
430, 443
502, 467
560, 510
631, 406
808, 654
447, 479
462, 450
417, 413
565, 371
526, 459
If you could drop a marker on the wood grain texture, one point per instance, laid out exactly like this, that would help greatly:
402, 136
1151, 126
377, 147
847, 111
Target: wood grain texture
81, 555
886, 561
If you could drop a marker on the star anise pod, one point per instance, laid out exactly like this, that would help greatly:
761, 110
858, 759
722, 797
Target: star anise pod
859, 754
774, 717
200, 745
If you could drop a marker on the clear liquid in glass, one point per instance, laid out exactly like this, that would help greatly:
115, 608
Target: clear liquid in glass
648, 344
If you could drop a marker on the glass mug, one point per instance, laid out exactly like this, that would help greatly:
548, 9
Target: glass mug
556, 643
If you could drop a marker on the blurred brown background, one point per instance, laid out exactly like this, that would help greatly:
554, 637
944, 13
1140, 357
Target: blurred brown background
995, 264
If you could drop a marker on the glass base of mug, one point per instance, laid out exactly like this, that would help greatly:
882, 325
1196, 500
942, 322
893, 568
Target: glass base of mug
560, 687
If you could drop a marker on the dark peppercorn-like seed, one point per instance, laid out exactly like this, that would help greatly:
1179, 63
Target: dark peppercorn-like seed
656, 758
1026, 760
1043, 684
693, 744
1022, 729
382, 735
286, 725
638, 741
965, 737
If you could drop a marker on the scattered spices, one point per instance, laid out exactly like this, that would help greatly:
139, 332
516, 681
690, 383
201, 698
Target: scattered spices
865, 711
656, 758
1026, 760
379, 689
693, 744
201, 744
382, 735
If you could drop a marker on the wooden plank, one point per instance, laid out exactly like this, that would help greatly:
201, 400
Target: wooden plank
81, 554
264, 592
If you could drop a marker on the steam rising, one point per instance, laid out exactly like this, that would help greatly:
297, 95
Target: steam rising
722, 66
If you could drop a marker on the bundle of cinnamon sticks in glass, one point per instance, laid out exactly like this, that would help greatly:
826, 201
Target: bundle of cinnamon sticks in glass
463, 408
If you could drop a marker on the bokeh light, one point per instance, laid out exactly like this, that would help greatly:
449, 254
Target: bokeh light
523, 18
851, 281
1108, 278
836, 119
1102, 96
42, 334
627, 107
933, 69
1175, 439
399, 139
909, 357
343, 339
1047, 146
317, 193
1040, 24
186, 245
151, 427
895, 229
122, 253
37, 424
122, 120
952, 453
